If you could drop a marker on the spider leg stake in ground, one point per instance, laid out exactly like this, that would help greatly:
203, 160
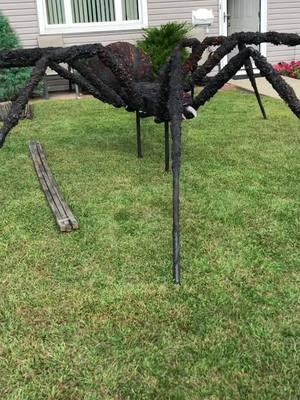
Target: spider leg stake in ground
121, 75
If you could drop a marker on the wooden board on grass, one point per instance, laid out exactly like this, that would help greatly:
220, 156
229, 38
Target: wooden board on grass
61, 211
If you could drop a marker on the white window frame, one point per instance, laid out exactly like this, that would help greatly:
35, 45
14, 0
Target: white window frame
70, 27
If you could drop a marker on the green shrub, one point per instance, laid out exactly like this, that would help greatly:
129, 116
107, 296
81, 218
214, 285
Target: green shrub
11, 80
158, 43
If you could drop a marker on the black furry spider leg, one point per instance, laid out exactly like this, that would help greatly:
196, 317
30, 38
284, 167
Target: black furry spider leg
167, 147
198, 48
161, 112
19, 104
222, 77
279, 84
201, 72
256, 38
138, 135
108, 97
29, 57
266, 69
107, 93
227, 44
250, 73
175, 110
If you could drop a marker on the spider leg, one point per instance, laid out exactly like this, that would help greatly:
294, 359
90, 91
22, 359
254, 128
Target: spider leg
94, 85
284, 90
105, 90
175, 110
250, 73
161, 112
198, 48
167, 147
19, 104
128, 93
227, 44
138, 135
103, 93
222, 77
29, 57
202, 70
266, 69
256, 38
249, 38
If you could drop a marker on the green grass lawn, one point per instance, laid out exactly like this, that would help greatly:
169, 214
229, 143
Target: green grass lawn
94, 314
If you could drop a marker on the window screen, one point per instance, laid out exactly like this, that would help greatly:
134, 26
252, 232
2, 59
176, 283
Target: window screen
130, 9
93, 10
55, 11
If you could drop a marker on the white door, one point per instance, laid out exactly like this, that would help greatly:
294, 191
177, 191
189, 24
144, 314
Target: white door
243, 15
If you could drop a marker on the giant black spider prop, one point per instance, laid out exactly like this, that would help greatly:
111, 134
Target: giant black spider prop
120, 74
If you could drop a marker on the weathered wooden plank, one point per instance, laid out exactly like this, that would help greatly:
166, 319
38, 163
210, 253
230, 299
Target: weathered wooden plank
63, 219
51, 185
64, 206
62, 213
60, 219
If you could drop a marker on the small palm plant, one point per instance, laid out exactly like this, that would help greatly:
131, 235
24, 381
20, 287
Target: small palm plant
158, 42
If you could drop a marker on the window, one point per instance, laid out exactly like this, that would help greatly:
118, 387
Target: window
84, 11
72, 16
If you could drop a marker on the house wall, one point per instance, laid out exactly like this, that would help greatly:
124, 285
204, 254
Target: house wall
283, 16
23, 18
159, 12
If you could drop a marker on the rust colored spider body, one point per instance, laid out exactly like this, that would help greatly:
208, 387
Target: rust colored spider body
121, 75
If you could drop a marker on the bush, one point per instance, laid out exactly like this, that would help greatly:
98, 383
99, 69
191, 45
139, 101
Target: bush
158, 43
11, 80
291, 69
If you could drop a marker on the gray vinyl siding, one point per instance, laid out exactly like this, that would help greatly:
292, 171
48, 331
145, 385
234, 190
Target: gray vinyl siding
159, 12
283, 16
23, 18
163, 11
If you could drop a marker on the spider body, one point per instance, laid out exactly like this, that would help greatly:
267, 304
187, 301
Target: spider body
122, 76
138, 65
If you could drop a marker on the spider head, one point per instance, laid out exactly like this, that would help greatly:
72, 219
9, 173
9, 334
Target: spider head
188, 110
150, 93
